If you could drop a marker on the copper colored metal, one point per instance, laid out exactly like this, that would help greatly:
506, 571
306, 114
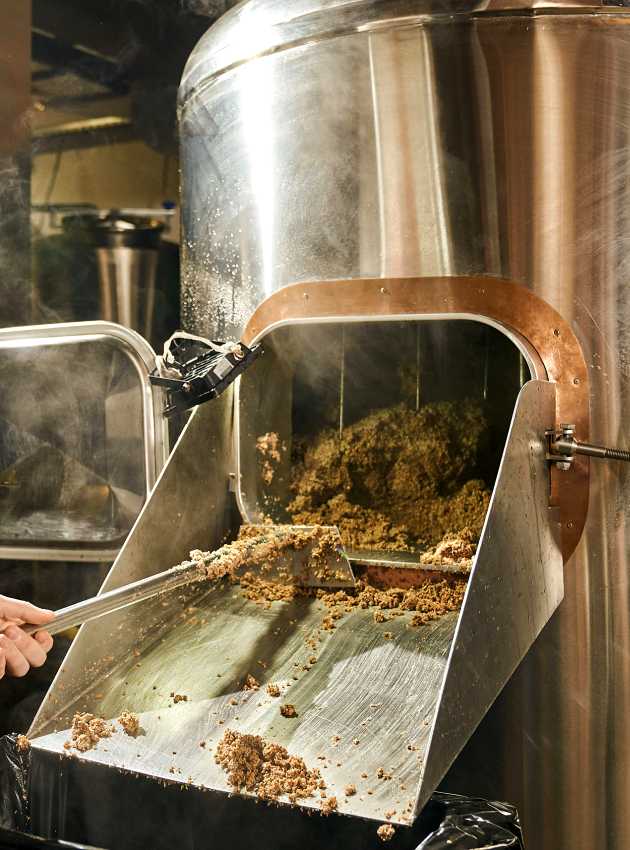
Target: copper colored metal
554, 350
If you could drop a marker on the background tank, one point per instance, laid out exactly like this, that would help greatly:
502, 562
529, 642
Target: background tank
324, 140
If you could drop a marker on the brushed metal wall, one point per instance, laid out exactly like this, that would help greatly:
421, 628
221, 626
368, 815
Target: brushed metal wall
489, 144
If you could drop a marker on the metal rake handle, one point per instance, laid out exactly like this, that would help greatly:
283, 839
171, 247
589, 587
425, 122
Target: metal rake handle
120, 597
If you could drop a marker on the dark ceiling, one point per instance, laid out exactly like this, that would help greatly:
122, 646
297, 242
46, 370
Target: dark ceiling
110, 66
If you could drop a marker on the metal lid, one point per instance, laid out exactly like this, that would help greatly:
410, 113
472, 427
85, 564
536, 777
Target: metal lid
259, 27
82, 439
114, 230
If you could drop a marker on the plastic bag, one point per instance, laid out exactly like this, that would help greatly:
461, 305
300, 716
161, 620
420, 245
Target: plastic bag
77, 801
470, 823
13, 785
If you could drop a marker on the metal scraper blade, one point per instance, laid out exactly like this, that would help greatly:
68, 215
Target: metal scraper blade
308, 555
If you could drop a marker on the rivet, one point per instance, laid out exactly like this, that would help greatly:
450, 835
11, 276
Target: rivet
383, 291
576, 381
570, 524
556, 331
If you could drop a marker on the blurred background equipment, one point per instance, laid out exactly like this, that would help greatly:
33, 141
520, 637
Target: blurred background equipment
127, 251
88, 106
109, 264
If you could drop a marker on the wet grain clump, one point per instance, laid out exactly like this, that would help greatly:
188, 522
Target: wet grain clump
397, 479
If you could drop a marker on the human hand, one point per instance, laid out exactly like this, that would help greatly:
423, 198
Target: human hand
19, 651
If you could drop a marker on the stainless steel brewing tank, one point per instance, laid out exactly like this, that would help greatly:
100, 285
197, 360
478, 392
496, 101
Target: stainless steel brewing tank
127, 250
325, 140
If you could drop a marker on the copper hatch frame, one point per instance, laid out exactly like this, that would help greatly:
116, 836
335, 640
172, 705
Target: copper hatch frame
554, 353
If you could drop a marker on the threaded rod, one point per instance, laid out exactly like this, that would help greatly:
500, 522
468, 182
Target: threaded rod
568, 446
618, 454
600, 451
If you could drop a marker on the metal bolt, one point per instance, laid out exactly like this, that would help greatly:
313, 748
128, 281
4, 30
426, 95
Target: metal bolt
186, 387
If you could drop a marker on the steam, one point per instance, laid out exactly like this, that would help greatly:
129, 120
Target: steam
70, 459
15, 272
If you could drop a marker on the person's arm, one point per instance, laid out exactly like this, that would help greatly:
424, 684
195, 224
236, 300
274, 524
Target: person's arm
19, 651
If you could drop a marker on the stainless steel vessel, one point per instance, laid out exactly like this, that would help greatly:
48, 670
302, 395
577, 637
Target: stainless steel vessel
127, 250
328, 140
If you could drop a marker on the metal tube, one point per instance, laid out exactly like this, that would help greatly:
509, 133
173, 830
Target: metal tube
486, 364
113, 600
570, 447
603, 452
342, 378
417, 366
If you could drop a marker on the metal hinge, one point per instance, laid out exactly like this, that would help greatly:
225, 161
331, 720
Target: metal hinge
562, 447
193, 370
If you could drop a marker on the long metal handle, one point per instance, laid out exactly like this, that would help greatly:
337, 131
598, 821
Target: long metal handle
296, 559
112, 600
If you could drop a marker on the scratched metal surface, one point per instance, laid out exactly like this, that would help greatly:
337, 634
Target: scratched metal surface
515, 586
363, 687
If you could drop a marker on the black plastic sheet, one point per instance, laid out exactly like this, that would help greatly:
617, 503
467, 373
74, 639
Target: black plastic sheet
15, 831
67, 800
14, 768
471, 823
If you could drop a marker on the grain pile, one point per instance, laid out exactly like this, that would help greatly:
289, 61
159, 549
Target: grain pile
268, 447
178, 697
329, 804
386, 832
396, 479
263, 550
130, 723
428, 601
265, 768
453, 550
23, 744
86, 731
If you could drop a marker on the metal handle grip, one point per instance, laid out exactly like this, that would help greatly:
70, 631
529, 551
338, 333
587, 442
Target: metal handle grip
112, 600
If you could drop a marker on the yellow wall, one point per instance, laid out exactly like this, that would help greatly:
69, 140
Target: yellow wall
120, 175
